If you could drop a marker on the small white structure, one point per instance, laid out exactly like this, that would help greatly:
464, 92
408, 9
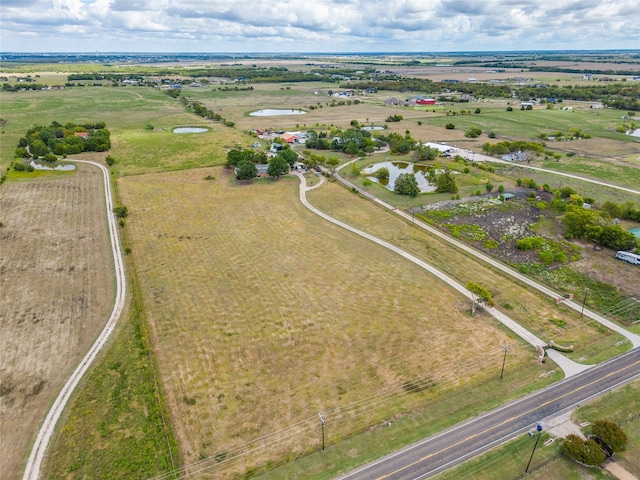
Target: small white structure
632, 258
441, 147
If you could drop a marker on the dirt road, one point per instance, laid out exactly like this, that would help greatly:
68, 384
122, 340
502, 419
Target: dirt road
32, 470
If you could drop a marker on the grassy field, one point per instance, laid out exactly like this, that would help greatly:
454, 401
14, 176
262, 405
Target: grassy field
528, 124
57, 287
262, 315
141, 121
518, 302
119, 412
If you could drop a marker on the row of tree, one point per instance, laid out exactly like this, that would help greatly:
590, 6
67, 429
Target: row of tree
57, 139
244, 162
580, 222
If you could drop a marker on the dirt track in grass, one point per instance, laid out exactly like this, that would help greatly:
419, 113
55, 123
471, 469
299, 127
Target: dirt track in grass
57, 292
263, 315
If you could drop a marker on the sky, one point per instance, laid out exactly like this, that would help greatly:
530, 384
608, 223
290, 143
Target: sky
323, 26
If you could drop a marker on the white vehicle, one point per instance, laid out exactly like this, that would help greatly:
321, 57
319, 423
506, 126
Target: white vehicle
632, 258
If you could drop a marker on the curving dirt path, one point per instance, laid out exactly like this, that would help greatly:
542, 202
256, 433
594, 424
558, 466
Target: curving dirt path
632, 337
568, 366
32, 470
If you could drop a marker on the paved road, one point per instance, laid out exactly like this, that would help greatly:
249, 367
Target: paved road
463, 441
32, 471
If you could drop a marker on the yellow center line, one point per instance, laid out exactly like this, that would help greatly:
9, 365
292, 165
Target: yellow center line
506, 421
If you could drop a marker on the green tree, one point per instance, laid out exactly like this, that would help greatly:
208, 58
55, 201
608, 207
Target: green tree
473, 132
278, 166
575, 221
611, 434
289, 155
406, 184
585, 451
488, 187
332, 163
481, 292
235, 156
446, 183
382, 174
39, 149
121, 211
246, 170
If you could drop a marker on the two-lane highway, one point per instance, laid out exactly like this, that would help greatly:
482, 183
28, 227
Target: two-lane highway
441, 451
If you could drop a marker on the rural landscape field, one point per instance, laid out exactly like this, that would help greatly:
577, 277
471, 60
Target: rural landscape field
261, 340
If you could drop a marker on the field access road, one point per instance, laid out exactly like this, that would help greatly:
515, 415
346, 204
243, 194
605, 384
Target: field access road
569, 367
463, 441
633, 338
32, 470
480, 157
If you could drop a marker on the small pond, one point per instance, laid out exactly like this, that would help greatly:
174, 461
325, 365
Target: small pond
395, 169
61, 167
190, 130
634, 133
373, 127
273, 112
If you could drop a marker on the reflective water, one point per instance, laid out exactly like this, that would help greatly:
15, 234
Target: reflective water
395, 169
272, 112
190, 130
62, 167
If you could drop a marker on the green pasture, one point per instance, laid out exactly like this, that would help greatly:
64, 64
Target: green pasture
528, 124
623, 175
600, 193
140, 120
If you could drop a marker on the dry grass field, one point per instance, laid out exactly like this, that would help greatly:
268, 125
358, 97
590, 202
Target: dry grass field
57, 292
520, 303
263, 315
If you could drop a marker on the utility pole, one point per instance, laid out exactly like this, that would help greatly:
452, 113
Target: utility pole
584, 300
539, 428
322, 424
504, 359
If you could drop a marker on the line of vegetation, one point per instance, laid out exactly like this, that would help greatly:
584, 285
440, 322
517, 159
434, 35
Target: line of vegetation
118, 425
57, 139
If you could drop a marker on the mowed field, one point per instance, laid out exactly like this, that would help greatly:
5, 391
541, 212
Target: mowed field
264, 315
140, 119
57, 292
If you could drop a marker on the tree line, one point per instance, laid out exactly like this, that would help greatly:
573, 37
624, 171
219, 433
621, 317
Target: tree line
48, 142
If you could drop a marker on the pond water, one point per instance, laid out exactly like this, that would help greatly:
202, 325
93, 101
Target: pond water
634, 133
62, 167
373, 127
190, 130
395, 169
272, 112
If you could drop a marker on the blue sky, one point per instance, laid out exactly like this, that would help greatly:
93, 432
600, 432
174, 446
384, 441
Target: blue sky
317, 25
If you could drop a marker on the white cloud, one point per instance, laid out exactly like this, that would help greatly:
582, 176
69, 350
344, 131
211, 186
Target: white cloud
317, 25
